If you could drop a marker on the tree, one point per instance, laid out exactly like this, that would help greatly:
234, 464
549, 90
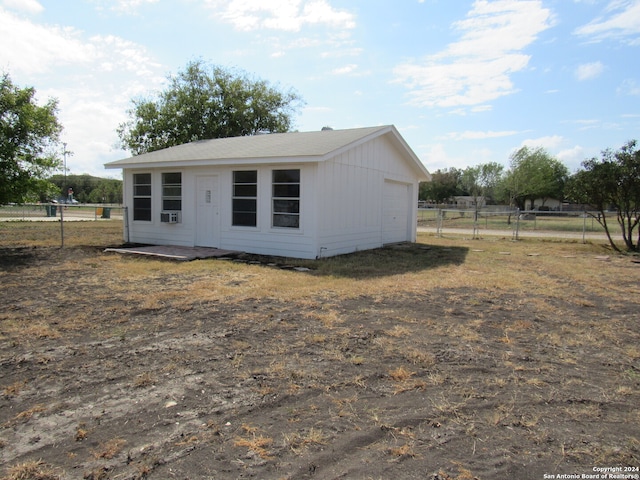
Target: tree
489, 179
534, 174
612, 182
481, 181
442, 187
29, 135
89, 189
205, 102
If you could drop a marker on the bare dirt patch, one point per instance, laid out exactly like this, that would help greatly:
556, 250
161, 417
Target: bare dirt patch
442, 360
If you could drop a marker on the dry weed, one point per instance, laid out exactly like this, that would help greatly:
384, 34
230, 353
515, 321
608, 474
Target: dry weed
258, 444
299, 442
110, 449
27, 414
419, 357
405, 450
14, 389
144, 380
401, 374
32, 470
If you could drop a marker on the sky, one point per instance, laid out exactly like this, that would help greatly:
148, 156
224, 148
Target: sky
465, 82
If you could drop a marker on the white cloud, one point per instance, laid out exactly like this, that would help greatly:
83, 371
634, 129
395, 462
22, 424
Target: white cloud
32, 48
344, 52
549, 143
629, 87
587, 124
284, 15
436, 157
93, 79
27, 6
588, 71
477, 69
479, 135
129, 7
346, 70
351, 69
572, 157
482, 108
621, 20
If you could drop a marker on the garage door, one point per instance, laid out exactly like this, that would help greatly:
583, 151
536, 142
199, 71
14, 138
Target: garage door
395, 212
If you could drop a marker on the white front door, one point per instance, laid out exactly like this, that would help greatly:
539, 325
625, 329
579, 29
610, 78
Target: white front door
207, 214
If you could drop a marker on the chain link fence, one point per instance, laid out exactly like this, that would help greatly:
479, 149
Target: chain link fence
63, 213
515, 223
60, 211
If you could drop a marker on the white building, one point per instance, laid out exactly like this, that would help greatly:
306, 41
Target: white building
301, 195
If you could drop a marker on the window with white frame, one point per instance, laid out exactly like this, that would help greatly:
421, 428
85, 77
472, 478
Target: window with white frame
172, 191
286, 198
142, 196
245, 198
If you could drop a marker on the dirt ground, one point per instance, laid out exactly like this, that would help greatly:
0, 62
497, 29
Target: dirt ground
463, 360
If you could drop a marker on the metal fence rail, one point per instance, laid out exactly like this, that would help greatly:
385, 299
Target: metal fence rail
57, 211
63, 213
515, 223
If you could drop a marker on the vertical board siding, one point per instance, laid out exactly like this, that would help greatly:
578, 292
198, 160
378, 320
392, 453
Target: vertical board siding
352, 198
342, 205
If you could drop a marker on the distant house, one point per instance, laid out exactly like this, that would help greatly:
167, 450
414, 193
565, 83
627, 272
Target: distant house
543, 204
467, 202
301, 195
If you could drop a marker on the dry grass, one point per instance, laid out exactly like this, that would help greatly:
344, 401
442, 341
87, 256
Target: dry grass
47, 234
456, 336
14, 389
298, 443
110, 449
32, 470
144, 380
27, 414
255, 442
401, 374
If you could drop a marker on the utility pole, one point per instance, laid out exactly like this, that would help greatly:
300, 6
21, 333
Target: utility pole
65, 152
64, 167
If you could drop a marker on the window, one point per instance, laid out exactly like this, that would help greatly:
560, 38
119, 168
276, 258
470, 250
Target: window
286, 198
142, 196
172, 191
245, 198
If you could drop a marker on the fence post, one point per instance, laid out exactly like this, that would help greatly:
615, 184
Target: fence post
517, 224
61, 226
476, 229
439, 223
126, 222
584, 227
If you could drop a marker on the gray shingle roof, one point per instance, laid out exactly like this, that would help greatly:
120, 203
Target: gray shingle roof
297, 144
274, 147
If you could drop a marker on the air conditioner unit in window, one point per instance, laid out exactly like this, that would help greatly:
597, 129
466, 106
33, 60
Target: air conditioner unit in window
170, 217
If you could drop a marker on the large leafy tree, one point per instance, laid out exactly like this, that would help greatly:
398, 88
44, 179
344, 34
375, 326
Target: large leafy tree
204, 102
611, 185
29, 136
481, 181
534, 174
442, 187
87, 188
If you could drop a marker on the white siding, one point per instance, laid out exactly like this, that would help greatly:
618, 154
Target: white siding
351, 203
262, 239
395, 212
155, 232
342, 205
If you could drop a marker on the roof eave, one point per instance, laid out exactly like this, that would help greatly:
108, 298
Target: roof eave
224, 162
